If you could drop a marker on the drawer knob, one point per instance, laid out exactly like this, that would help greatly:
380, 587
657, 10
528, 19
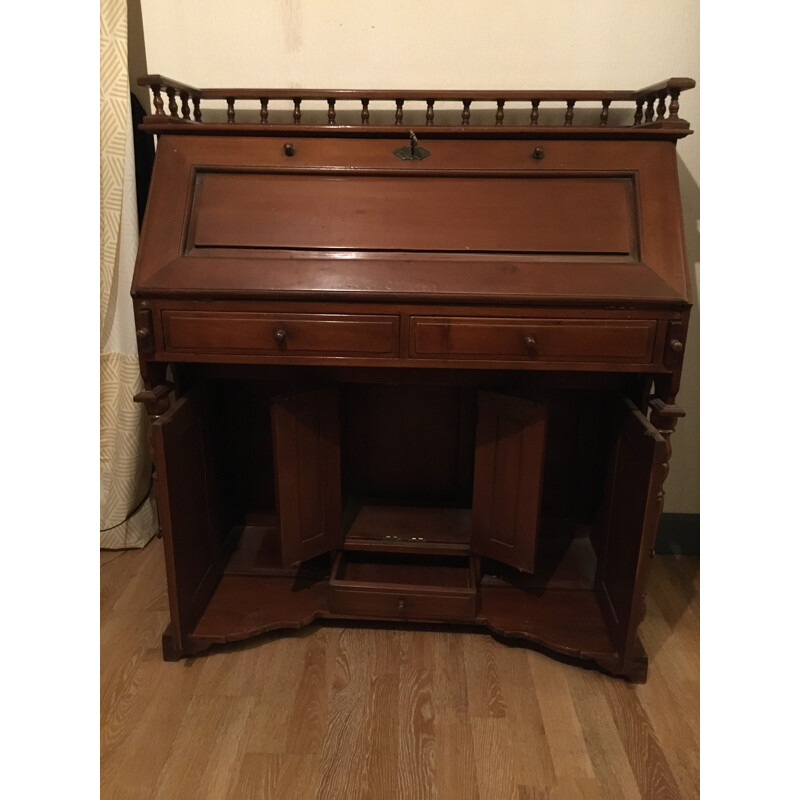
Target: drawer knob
401, 604
676, 345
530, 342
288, 149
538, 153
280, 334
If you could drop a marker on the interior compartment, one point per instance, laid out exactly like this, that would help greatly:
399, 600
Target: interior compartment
407, 468
391, 474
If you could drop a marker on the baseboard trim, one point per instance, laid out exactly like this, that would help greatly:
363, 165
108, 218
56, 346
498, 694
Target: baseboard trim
679, 534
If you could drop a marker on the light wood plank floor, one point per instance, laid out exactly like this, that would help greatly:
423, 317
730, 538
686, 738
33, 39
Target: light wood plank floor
380, 713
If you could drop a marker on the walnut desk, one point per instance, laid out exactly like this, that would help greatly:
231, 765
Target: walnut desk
413, 362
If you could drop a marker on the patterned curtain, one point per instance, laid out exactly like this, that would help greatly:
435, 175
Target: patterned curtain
127, 509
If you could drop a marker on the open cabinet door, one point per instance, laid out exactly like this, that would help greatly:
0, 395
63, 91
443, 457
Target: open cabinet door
509, 454
305, 435
628, 526
194, 538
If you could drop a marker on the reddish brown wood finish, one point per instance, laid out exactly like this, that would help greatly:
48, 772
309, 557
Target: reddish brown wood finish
522, 214
403, 589
433, 371
629, 523
194, 533
293, 334
509, 455
639, 258
399, 529
671, 87
305, 432
552, 340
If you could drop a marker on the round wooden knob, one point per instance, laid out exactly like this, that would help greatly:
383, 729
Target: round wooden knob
401, 604
288, 149
676, 345
280, 334
530, 342
538, 153
142, 334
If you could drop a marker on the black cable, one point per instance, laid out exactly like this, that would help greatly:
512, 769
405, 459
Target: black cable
138, 506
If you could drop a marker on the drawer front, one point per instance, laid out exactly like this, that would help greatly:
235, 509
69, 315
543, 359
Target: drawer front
277, 334
403, 604
512, 339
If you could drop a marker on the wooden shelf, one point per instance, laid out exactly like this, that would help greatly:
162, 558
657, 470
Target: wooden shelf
564, 620
433, 531
562, 562
259, 553
244, 606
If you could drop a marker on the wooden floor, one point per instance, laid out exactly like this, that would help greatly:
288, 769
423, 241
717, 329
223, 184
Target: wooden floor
347, 713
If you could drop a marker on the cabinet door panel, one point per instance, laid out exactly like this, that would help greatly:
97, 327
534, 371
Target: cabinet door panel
305, 432
188, 511
509, 453
629, 524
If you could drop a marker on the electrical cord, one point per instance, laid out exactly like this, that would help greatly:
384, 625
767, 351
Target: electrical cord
138, 506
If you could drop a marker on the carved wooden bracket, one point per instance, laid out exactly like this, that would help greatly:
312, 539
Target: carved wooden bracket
156, 400
663, 409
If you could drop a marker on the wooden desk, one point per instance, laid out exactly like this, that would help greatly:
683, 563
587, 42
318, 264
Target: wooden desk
406, 376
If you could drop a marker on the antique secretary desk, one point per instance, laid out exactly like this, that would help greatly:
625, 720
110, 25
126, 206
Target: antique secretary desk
411, 358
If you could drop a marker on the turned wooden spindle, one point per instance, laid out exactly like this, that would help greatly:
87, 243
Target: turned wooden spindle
264, 110
674, 108
185, 113
365, 111
604, 113
637, 117
198, 114
535, 112
465, 113
648, 113
173, 106
296, 114
498, 117
661, 108
429, 112
570, 112
231, 111
158, 101
331, 111
398, 115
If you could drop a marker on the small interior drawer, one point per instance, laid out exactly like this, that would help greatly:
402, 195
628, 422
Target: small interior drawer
281, 334
551, 340
389, 586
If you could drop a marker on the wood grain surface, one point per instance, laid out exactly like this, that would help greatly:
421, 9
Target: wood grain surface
390, 712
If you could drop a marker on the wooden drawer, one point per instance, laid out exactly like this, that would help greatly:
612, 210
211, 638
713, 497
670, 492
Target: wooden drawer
276, 334
367, 585
514, 339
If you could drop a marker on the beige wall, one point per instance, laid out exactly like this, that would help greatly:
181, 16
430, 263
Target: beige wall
442, 44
